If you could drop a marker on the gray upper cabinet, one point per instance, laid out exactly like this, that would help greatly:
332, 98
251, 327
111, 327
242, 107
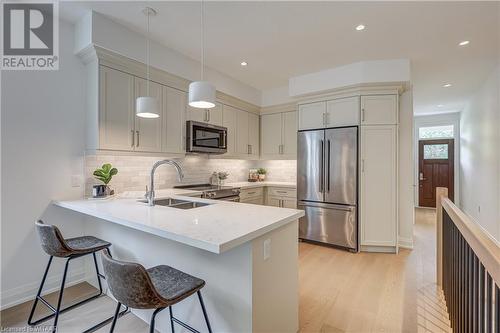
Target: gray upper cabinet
113, 125
379, 110
148, 130
229, 120
116, 110
253, 135
312, 116
210, 116
173, 120
279, 135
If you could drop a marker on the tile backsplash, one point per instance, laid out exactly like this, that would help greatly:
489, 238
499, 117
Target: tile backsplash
133, 171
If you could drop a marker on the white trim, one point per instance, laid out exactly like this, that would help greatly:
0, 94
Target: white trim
405, 243
27, 292
439, 120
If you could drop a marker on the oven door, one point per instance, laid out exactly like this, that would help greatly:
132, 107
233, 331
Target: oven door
206, 138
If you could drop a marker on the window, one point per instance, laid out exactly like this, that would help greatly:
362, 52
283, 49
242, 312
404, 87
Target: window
438, 151
436, 132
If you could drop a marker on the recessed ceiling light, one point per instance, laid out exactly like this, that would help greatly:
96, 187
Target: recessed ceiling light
244, 63
440, 105
447, 85
463, 43
360, 27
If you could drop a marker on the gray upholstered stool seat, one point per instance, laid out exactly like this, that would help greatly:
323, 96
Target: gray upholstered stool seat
157, 288
86, 244
172, 284
55, 245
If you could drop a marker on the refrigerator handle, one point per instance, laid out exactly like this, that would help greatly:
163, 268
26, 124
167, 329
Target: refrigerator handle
321, 171
328, 167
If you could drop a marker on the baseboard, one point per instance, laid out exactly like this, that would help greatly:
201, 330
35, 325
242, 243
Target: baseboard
405, 242
378, 249
28, 291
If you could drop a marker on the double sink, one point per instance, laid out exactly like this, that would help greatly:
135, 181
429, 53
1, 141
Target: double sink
177, 203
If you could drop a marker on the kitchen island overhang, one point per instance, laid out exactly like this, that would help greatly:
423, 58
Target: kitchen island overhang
247, 254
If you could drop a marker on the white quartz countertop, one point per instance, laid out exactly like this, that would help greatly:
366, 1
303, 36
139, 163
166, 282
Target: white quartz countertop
217, 228
262, 184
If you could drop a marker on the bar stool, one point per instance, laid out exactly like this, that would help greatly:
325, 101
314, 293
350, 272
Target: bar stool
156, 288
55, 245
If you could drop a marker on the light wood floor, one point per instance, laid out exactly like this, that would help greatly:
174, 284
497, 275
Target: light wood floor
339, 292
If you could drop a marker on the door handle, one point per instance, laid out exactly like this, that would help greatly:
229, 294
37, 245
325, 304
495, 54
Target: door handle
137, 132
322, 150
133, 138
328, 163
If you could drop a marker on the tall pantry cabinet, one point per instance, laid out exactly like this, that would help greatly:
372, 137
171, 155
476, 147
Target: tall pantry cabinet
378, 172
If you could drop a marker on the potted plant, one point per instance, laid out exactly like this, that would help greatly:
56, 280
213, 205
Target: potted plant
262, 174
104, 174
222, 176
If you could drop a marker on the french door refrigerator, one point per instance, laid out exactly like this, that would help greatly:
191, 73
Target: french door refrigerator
327, 168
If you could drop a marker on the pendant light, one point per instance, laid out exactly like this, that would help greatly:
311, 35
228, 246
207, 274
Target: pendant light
147, 106
202, 93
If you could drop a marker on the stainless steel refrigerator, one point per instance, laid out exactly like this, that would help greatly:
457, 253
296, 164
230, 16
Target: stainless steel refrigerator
327, 190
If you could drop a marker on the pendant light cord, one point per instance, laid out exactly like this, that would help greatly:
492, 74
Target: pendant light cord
147, 53
202, 41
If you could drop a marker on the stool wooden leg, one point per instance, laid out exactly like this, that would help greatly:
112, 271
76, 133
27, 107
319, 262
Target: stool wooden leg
204, 311
39, 293
115, 318
152, 324
171, 319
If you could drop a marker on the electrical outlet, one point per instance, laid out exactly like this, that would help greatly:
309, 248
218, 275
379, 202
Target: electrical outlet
76, 181
267, 249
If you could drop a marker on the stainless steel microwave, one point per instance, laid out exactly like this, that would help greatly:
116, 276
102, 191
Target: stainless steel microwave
205, 138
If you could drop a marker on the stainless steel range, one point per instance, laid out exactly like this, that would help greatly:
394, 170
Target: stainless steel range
227, 193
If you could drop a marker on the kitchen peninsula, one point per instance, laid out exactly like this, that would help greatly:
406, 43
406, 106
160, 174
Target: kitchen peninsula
247, 254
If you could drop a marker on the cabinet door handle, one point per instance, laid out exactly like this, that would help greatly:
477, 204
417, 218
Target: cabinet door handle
324, 122
208, 115
137, 132
363, 115
327, 118
251, 149
133, 138
205, 117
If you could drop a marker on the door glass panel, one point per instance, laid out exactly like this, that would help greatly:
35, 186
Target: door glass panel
436, 132
432, 152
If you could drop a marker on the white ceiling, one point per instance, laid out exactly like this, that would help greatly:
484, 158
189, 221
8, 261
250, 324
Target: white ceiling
284, 39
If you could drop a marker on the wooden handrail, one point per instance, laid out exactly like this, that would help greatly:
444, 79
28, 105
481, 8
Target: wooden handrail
486, 248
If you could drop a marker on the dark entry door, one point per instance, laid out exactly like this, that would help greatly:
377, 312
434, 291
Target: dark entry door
436, 168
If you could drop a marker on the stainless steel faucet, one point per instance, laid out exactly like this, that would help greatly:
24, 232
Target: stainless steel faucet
150, 195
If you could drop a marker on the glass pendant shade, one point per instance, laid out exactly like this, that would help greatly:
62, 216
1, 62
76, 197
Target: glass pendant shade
201, 95
147, 107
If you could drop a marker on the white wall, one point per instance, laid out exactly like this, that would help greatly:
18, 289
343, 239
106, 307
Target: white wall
480, 156
42, 143
118, 38
377, 71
